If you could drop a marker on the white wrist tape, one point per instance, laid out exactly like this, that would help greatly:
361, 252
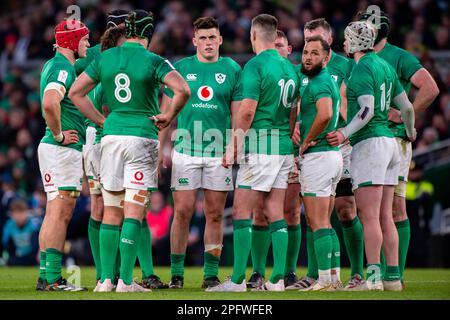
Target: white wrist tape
59, 137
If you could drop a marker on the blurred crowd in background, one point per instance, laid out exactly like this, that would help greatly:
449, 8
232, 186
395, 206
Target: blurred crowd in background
26, 42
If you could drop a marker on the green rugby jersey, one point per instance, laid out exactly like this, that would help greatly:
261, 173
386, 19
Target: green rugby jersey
372, 76
59, 70
406, 65
131, 77
98, 100
321, 86
303, 82
81, 65
204, 120
340, 68
271, 80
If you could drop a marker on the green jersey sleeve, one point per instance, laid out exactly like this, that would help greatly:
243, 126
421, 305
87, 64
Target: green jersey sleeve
409, 65
163, 67
320, 91
237, 90
251, 82
60, 76
93, 70
361, 81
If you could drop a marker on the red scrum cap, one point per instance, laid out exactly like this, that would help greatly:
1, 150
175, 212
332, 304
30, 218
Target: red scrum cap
68, 34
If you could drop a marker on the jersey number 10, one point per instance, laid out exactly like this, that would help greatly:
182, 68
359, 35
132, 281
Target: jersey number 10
284, 86
122, 91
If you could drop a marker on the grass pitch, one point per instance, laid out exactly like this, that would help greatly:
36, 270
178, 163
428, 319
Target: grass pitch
421, 284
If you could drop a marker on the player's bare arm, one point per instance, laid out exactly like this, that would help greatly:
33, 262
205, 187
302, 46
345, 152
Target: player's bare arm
52, 114
324, 107
244, 121
428, 89
181, 91
343, 108
78, 94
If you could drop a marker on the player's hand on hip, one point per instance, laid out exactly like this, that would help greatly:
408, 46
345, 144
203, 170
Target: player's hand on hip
228, 158
335, 138
395, 116
296, 136
70, 136
414, 136
161, 120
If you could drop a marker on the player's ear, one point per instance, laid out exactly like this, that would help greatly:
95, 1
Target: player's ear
220, 40
194, 41
289, 49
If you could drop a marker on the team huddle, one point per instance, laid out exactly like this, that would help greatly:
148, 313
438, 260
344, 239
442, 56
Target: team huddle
333, 133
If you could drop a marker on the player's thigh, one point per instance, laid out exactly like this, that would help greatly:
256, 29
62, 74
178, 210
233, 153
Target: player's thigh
368, 201
274, 204
259, 216
216, 177
112, 163
320, 173
346, 151
316, 209
244, 202
386, 207
141, 164
61, 167
186, 172
214, 204
184, 203
370, 161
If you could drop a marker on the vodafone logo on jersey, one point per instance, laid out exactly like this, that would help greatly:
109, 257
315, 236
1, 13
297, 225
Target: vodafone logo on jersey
205, 93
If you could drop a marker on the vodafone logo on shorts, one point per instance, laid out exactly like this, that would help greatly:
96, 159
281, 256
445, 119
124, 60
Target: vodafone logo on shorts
139, 176
47, 177
205, 93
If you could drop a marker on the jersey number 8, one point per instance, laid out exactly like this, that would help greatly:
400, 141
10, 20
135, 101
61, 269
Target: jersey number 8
122, 85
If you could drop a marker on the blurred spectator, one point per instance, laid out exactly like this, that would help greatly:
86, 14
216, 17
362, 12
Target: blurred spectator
20, 236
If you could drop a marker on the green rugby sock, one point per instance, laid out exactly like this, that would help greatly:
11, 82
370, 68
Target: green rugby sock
53, 265
293, 249
144, 251
392, 273
177, 264
42, 261
129, 240
323, 246
354, 243
278, 231
242, 242
336, 255
109, 246
404, 236
211, 265
260, 248
313, 271
382, 263
94, 241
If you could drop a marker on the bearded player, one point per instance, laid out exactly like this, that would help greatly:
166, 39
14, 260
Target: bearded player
59, 152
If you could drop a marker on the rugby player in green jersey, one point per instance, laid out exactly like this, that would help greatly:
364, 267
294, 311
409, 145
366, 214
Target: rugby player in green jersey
269, 87
91, 149
410, 72
59, 152
260, 228
199, 146
131, 77
339, 68
320, 163
375, 160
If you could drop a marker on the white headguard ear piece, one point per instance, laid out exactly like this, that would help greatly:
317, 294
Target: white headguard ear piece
360, 35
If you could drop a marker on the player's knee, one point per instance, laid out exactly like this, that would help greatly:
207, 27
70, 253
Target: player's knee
399, 209
292, 217
137, 197
113, 199
214, 217
183, 213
